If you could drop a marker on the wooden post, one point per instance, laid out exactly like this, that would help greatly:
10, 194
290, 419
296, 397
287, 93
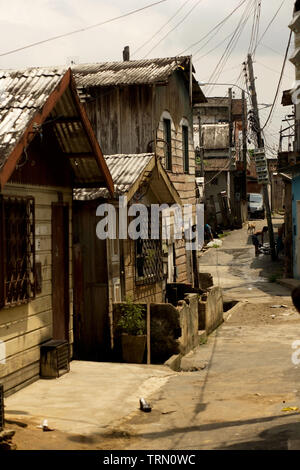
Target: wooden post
148, 335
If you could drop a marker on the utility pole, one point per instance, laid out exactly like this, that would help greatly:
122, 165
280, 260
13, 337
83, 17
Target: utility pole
260, 144
244, 150
201, 150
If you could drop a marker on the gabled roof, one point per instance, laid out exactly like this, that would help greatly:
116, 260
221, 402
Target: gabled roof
135, 72
35, 97
129, 173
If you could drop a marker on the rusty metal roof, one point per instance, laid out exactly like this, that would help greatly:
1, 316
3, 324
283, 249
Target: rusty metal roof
33, 98
22, 93
125, 171
131, 72
135, 72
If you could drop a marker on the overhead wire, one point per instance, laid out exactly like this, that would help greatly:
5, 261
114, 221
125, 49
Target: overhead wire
213, 29
87, 28
232, 43
161, 28
269, 25
173, 29
280, 81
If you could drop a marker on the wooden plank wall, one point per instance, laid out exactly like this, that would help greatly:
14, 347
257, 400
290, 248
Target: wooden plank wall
184, 184
24, 328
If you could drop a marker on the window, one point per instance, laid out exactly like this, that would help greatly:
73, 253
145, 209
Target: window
168, 144
148, 259
17, 246
185, 148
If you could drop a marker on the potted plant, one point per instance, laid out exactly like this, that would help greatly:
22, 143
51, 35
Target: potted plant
132, 325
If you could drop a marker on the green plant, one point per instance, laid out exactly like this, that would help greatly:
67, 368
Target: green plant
132, 320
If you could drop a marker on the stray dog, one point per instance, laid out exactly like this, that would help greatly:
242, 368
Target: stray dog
251, 228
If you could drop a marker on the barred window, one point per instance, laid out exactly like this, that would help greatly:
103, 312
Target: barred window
17, 246
148, 256
149, 261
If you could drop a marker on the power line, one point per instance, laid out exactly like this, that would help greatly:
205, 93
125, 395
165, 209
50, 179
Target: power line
176, 26
160, 29
53, 38
269, 25
232, 43
213, 29
280, 80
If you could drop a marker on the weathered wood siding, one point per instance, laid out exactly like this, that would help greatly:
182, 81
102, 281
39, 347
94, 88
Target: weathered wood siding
122, 119
127, 119
24, 328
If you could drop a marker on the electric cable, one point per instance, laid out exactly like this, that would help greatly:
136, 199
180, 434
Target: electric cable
60, 36
160, 29
176, 26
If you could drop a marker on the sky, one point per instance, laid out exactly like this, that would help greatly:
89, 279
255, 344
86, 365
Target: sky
24, 22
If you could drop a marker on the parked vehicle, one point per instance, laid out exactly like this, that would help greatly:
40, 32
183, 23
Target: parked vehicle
256, 207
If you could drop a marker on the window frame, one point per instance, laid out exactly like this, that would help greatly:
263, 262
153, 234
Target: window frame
185, 149
11, 296
141, 248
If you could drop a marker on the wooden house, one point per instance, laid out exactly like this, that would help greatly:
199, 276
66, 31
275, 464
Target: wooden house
141, 106
113, 270
47, 148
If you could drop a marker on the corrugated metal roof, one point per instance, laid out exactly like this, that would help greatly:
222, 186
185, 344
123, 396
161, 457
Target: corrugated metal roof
125, 171
22, 94
133, 72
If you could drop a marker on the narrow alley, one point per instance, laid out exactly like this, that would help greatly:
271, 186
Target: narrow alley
243, 378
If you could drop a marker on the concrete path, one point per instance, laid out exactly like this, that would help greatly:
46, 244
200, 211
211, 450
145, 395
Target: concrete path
236, 269
88, 401
230, 395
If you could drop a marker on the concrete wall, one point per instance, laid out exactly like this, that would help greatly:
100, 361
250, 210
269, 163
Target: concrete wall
24, 328
188, 311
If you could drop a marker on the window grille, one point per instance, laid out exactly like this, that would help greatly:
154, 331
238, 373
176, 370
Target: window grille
18, 250
149, 259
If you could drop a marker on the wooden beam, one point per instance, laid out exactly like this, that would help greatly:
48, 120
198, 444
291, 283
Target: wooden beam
92, 138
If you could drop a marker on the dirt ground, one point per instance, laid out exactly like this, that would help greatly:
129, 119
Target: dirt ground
232, 391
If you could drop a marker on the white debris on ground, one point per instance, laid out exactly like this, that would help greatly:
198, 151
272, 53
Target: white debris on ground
215, 243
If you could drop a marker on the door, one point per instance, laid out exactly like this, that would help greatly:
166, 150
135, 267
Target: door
91, 319
60, 271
